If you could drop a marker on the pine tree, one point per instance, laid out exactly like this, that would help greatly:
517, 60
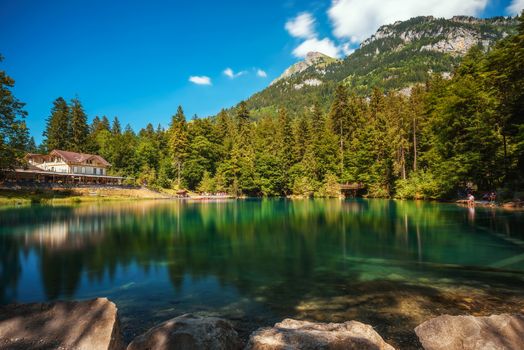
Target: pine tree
338, 118
31, 146
79, 128
301, 138
12, 127
20, 140
116, 128
285, 145
178, 142
58, 128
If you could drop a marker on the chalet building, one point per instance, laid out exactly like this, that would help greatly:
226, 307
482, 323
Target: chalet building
66, 168
69, 162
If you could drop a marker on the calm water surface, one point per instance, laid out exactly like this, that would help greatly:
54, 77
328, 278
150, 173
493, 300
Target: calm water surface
392, 264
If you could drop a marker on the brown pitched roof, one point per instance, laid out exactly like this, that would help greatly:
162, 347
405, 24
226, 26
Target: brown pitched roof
73, 157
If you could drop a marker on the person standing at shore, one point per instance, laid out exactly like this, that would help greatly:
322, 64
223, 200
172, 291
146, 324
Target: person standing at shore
471, 200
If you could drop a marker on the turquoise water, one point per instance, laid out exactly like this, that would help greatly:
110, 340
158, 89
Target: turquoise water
388, 263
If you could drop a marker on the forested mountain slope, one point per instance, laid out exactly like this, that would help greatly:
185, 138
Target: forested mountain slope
396, 57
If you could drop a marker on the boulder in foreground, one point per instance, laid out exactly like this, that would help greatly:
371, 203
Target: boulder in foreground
188, 332
79, 325
501, 332
303, 335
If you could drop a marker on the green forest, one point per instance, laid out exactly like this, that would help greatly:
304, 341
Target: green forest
446, 134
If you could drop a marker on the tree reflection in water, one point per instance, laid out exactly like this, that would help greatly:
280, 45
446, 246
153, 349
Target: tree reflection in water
256, 261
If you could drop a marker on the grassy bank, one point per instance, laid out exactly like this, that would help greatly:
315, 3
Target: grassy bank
70, 196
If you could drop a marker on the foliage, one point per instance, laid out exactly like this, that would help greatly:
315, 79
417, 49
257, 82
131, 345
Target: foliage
419, 185
388, 62
14, 136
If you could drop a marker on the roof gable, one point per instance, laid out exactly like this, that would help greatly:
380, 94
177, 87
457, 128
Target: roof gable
74, 157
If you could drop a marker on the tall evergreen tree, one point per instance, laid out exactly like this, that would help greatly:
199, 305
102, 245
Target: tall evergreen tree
79, 127
12, 127
338, 118
178, 142
116, 128
58, 127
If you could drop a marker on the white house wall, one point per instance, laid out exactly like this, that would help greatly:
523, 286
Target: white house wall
62, 167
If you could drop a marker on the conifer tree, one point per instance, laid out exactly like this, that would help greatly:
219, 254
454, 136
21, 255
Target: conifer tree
12, 126
116, 128
338, 118
79, 128
31, 146
58, 128
178, 142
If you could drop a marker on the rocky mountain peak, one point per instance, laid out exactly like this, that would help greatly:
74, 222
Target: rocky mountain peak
312, 59
454, 36
314, 56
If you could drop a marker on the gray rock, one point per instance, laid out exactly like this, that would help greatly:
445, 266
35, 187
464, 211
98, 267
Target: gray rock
188, 332
89, 325
302, 335
496, 332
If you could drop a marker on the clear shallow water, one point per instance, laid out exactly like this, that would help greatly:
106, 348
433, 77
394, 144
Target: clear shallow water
392, 264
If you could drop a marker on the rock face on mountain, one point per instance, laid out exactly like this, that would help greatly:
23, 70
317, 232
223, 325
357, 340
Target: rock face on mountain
396, 57
313, 59
454, 36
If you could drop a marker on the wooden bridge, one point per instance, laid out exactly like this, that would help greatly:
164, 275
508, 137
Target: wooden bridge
351, 189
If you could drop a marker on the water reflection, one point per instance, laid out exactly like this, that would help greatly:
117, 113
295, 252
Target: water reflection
255, 258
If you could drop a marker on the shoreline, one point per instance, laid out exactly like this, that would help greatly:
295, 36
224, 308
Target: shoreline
68, 195
64, 195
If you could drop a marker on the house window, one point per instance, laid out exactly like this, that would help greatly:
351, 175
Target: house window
94, 171
83, 170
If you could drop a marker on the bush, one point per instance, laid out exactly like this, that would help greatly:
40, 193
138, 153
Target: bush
207, 184
331, 187
419, 185
303, 186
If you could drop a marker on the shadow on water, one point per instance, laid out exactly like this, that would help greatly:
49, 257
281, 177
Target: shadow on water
390, 264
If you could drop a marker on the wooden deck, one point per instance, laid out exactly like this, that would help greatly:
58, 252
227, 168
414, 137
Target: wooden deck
352, 189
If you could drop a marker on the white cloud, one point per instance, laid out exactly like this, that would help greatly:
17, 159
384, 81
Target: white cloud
261, 73
347, 49
325, 46
302, 26
200, 80
229, 72
356, 20
515, 8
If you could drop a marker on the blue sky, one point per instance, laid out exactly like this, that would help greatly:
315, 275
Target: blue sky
135, 59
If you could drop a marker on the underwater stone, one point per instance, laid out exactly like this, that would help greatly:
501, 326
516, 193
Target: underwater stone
189, 332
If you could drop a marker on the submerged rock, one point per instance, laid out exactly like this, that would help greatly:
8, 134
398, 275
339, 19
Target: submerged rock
304, 335
188, 332
89, 325
500, 332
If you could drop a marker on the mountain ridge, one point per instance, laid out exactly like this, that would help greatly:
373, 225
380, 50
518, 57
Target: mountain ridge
396, 57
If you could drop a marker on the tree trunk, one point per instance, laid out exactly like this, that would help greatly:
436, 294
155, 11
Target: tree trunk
341, 151
414, 144
505, 156
179, 166
403, 162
